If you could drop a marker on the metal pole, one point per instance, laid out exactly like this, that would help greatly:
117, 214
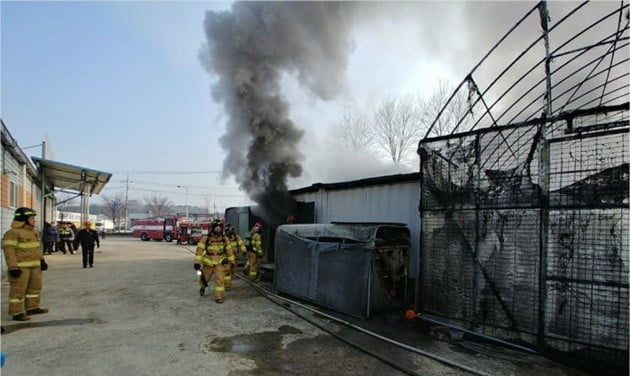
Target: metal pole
85, 193
543, 171
544, 22
418, 303
186, 188
42, 217
127, 204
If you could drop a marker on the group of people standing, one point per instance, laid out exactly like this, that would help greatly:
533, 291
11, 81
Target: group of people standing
67, 238
59, 238
215, 256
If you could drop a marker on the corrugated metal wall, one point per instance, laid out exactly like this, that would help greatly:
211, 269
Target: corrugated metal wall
29, 193
394, 202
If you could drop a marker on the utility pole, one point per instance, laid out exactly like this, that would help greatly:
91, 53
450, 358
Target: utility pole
42, 216
186, 188
126, 203
42, 209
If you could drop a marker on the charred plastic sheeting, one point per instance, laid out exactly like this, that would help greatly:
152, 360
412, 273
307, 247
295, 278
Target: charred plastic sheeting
353, 268
529, 234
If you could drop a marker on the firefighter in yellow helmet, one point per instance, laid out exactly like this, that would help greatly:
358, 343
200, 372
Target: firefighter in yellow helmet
255, 253
25, 260
211, 257
237, 245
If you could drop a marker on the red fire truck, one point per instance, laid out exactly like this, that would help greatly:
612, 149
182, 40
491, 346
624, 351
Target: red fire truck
157, 229
191, 232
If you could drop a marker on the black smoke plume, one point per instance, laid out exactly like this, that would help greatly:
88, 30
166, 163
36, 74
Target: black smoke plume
249, 49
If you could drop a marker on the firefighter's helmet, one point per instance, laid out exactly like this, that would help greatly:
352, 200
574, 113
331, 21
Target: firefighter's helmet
257, 227
229, 230
22, 214
216, 223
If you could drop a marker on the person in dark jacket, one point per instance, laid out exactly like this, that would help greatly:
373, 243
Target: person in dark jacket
50, 238
75, 232
87, 237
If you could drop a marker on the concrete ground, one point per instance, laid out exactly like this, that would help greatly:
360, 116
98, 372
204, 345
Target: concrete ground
138, 312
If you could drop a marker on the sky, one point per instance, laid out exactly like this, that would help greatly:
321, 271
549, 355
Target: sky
119, 87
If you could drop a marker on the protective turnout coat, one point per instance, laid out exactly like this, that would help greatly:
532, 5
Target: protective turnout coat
22, 249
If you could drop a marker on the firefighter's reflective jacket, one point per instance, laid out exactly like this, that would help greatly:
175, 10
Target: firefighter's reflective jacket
257, 244
22, 247
237, 244
212, 250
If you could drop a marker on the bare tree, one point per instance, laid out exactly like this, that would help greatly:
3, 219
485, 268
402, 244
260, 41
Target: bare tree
158, 206
396, 127
114, 207
456, 110
354, 131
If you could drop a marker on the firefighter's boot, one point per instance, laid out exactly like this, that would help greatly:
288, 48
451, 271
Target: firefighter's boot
36, 311
21, 317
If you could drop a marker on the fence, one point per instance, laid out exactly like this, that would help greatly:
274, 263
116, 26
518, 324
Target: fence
525, 229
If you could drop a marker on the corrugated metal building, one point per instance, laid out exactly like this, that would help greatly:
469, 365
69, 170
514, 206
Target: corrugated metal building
20, 184
392, 198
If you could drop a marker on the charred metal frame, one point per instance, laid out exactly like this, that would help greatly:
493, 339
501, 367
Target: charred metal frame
549, 190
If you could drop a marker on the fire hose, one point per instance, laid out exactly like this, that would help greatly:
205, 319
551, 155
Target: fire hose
268, 295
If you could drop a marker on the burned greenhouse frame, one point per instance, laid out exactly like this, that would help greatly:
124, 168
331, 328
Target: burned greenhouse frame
524, 226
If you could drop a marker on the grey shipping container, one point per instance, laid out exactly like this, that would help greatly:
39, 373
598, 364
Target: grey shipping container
354, 268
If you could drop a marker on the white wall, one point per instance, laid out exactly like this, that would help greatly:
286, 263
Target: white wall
394, 202
74, 217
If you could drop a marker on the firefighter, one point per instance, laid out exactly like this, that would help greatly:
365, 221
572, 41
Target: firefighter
237, 245
25, 260
66, 238
254, 253
211, 257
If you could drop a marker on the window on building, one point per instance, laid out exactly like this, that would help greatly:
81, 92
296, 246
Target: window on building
13, 195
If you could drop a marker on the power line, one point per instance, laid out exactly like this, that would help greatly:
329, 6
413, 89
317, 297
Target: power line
142, 182
169, 172
191, 194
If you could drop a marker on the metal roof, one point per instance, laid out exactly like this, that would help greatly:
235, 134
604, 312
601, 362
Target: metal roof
358, 232
361, 183
12, 147
67, 176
